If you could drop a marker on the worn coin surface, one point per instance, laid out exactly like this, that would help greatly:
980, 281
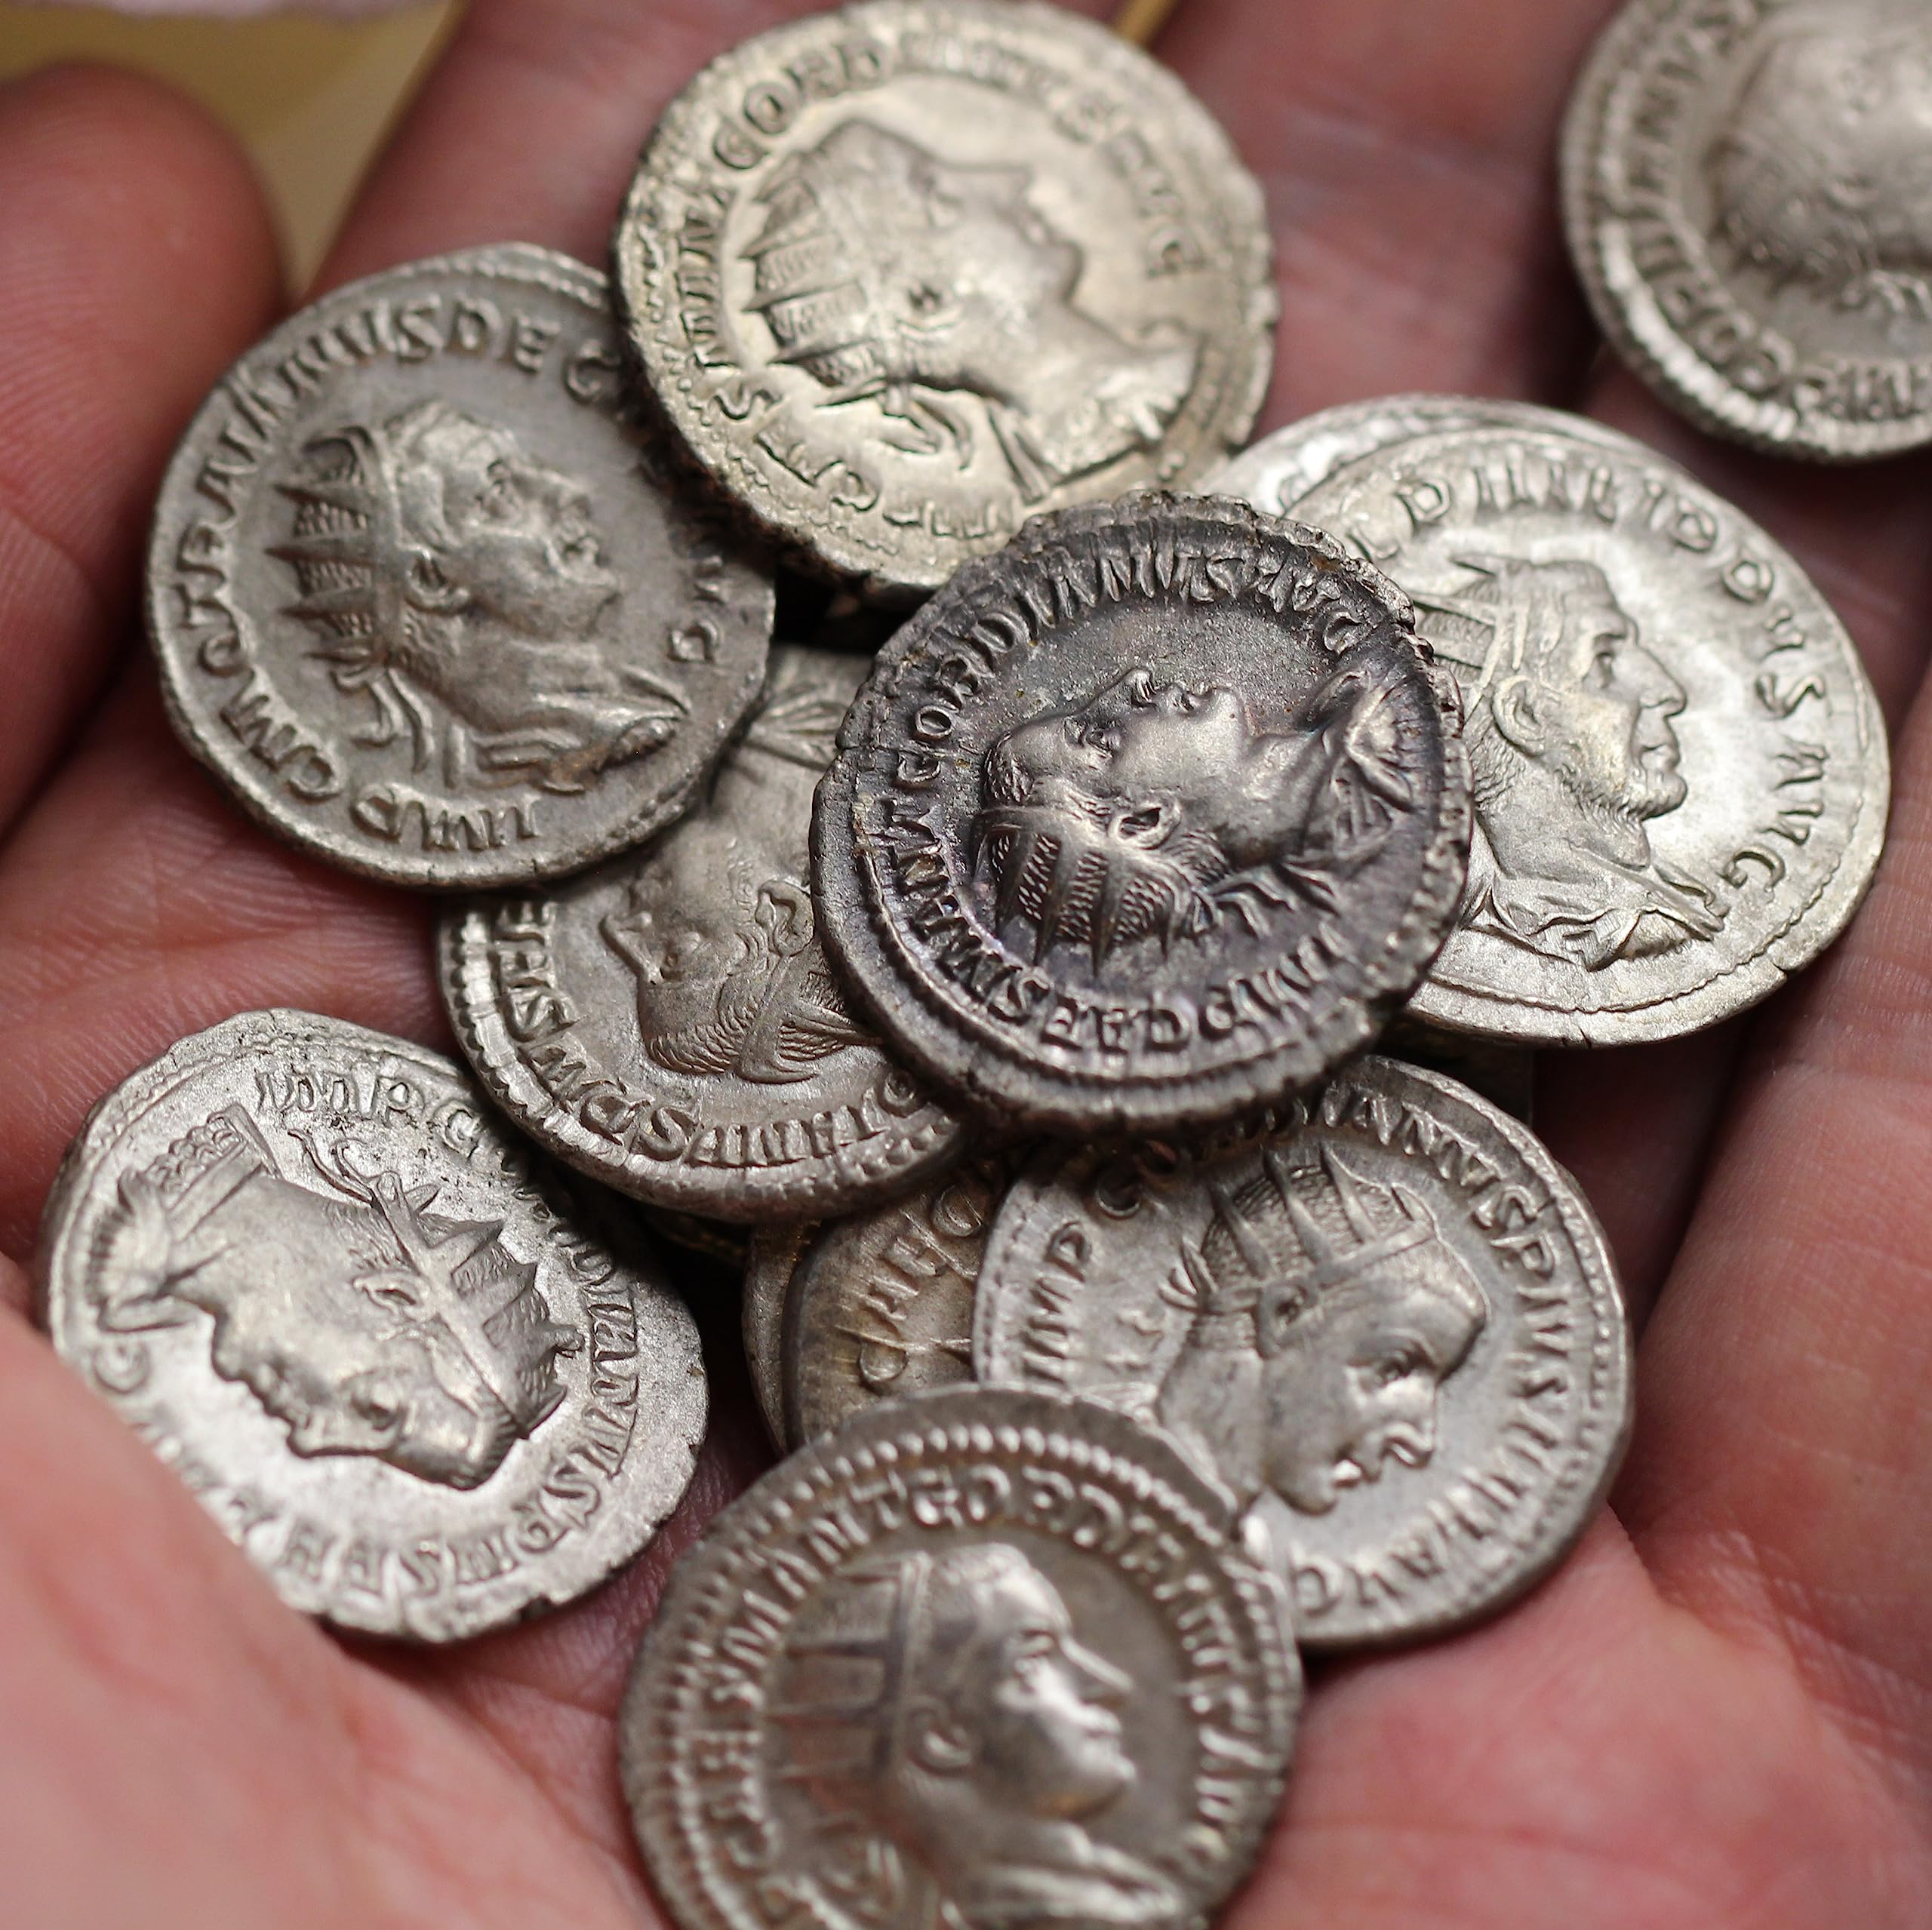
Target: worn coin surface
1393, 1331
1680, 770
423, 596
984, 1657
774, 1251
903, 273
1144, 821
668, 1022
394, 1353
1747, 191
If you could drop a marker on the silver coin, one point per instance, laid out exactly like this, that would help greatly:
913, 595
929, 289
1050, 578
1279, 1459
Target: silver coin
904, 274
1679, 769
1275, 472
983, 1658
1146, 821
1395, 1332
774, 1251
668, 1022
422, 597
1747, 193
391, 1352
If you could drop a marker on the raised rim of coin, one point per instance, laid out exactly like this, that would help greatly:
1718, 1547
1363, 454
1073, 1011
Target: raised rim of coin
412, 775
1623, 220
451, 1480
1015, 635
958, 459
1050, 1480
775, 1251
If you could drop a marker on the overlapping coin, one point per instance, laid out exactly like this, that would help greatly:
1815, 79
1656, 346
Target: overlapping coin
422, 597
668, 1022
903, 273
1393, 1330
1148, 820
398, 1357
980, 1657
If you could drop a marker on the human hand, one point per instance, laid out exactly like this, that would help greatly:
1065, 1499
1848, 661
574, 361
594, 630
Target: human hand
1717, 1713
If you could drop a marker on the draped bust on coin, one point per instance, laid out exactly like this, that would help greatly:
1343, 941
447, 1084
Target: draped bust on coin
1148, 820
984, 1657
1391, 1327
421, 596
1748, 197
1680, 770
668, 1023
391, 1352
902, 274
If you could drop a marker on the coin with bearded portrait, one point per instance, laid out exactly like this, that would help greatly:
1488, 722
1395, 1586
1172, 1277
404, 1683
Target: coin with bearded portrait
1390, 1326
421, 1377
903, 273
668, 1022
423, 596
1748, 194
980, 1657
1679, 769
1146, 821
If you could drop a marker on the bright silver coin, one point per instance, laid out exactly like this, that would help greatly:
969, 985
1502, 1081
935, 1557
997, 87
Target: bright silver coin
391, 1352
668, 1022
422, 597
1679, 769
1394, 1330
1748, 192
904, 274
1148, 820
983, 1658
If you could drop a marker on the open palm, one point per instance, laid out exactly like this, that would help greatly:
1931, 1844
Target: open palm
1720, 1714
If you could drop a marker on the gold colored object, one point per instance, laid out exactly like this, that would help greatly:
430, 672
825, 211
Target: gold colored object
1141, 21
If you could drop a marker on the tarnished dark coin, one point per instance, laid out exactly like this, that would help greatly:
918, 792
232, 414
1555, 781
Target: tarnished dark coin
1680, 770
1146, 820
903, 273
668, 1022
422, 598
983, 1657
1747, 191
390, 1350
1393, 1330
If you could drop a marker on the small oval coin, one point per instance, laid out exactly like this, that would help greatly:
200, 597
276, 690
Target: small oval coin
422, 597
1748, 201
1393, 1331
391, 1352
902, 274
1679, 769
1146, 821
668, 1022
983, 1657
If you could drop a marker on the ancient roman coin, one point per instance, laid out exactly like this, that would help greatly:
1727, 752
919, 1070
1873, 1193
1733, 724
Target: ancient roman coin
774, 1251
1274, 473
1680, 770
423, 597
981, 1658
1747, 191
668, 1022
901, 274
1393, 1331
411, 1370
1146, 821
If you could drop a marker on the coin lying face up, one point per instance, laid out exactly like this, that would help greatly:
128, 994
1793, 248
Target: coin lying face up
668, 1022
1148, 820
1679, 769
1748, 199
421, 597
903, 273
393, 1355
1392, 1329
983, 1658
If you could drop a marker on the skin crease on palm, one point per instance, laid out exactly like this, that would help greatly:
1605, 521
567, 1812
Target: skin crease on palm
1719, 1714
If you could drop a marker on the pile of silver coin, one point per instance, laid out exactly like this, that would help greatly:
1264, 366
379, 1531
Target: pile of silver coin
1082, 977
